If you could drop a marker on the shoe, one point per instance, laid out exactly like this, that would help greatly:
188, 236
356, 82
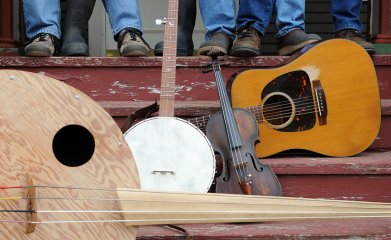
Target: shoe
294, 40
219, 43
356, 36
42, 45
131, 44
75, 32
187, 13
180, 52
247, 43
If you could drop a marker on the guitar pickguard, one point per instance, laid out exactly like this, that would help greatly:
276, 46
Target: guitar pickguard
287, 103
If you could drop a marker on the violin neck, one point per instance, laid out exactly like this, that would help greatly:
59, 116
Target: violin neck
148, 208
226, 108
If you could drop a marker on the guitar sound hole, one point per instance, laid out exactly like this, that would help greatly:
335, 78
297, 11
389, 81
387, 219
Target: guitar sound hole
73, 145
278, 110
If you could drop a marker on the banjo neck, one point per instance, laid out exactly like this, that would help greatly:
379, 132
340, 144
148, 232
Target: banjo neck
167, 89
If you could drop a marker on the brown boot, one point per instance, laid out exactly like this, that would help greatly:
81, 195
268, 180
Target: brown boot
247, 43
355, 36
219, 43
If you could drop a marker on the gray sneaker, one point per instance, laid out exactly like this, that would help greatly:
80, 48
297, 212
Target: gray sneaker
295, 40
219, 43
131, 44
42, 45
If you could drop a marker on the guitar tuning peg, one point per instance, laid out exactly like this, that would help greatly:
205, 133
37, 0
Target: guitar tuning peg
160, 21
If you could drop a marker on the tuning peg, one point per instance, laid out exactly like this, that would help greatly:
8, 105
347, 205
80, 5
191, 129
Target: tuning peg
160, 21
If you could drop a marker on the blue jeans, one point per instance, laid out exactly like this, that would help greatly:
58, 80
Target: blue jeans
346, 14
218, 16
255, 13
43, 16
290, 15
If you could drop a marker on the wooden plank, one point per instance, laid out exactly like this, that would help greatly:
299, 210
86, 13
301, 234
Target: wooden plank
315, 229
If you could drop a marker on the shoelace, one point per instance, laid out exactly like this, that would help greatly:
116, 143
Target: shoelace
352, 34
247, 33
134, 35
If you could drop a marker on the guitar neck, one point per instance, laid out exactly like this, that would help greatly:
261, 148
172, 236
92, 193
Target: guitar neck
167, 89
147, 208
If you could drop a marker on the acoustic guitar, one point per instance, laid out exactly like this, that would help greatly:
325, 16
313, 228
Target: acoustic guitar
68, 173
171, 153
326, 101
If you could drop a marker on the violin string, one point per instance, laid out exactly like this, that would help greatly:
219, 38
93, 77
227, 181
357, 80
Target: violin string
238, 152
228, 123
235, 152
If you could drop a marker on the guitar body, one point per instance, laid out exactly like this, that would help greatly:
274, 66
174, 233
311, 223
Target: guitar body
171, 155
326, 101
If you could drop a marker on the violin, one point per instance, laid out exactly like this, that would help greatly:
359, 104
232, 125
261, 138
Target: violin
233, 134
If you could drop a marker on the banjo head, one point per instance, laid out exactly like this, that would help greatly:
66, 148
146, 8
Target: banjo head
68, 145
171, 154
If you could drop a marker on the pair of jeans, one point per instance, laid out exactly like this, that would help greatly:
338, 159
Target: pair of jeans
346, 14
218, 16
43, 16
290, 15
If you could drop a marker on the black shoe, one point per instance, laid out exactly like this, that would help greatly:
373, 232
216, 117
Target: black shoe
131, 44
219, 43
247, 43
75, 33
42, 45
180, 52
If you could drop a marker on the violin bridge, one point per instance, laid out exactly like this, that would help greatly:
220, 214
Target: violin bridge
31, 214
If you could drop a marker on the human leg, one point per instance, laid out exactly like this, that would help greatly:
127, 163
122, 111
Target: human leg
42, 20
187, 13
290, 26
347, 22
252, 21
218, 17
78, 12
125, 21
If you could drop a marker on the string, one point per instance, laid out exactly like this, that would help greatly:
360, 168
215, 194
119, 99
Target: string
230, 123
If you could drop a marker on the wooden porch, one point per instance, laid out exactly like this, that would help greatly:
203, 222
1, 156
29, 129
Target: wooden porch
123, 85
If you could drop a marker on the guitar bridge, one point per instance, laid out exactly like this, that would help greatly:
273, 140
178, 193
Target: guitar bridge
320, 102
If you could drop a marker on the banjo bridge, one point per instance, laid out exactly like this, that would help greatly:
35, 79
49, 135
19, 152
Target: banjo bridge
163, 172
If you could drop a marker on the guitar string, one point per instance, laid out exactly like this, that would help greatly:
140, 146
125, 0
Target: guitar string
236, 152
373, 212
190, 220
255, 110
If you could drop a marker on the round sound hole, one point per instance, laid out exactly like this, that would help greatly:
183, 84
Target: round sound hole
278, 110
73, 145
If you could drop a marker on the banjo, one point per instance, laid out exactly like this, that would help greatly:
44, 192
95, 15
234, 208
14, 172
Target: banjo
68, 173
171, 153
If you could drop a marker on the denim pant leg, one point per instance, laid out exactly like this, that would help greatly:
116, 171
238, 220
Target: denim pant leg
346, 14
290, 15
255, 13
42, 16
123, 14
218, 16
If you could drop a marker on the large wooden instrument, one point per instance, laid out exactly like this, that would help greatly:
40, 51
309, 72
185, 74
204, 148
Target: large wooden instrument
233, 134
171, 153
326, 101
67, 173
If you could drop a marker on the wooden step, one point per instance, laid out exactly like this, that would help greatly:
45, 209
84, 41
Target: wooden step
123, 85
